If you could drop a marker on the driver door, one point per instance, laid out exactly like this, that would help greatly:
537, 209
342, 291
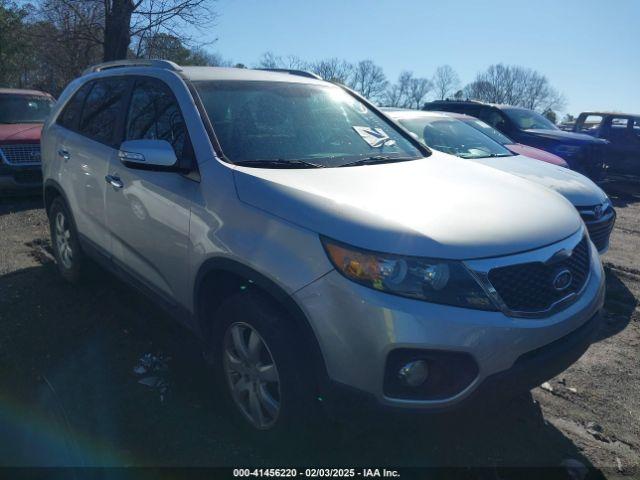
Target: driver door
148, 211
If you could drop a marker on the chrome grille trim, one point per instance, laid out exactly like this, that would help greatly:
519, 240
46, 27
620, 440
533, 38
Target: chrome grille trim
480, 269
599, 228
21, 154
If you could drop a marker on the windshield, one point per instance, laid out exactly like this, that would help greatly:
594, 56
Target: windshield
278, 122
488, 130
24, 108
455, 137
528, 119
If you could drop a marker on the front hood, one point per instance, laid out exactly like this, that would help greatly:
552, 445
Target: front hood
20, 132
576, 188
441, 206
536, 153
577, 138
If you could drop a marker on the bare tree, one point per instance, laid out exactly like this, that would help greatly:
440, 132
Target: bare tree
369, 80
418, 90
445, 81
65, 37
271, 60
163, 45
408, 91
126, 19
515, 85
115, 24
333, 70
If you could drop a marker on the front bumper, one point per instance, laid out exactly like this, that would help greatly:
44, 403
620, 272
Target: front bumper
357, 328
20, 178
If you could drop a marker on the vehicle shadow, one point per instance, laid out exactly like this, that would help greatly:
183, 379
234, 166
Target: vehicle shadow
623, 190
619, 306
70, 396
14, 204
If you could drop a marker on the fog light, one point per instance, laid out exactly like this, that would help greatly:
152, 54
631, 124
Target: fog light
414, 374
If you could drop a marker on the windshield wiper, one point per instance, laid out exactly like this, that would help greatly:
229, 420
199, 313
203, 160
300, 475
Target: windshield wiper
490, 155
278, 163
376, 159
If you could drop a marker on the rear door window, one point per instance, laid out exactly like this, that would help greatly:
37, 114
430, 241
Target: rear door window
103, 109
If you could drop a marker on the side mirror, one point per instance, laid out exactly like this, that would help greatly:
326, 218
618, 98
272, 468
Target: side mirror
151, 154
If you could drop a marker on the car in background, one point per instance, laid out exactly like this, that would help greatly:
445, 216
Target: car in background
622, 130
447, 133
583, 153
506, 142
22, 114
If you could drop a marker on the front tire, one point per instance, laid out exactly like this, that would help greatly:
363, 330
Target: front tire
64, 241
258, 365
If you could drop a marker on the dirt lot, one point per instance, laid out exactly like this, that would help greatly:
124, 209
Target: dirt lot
69, 393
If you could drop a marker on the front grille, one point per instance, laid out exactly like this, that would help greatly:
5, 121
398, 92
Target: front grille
600, 232
599, 226
529, 287
21, 154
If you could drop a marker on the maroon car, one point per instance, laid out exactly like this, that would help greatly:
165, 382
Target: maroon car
506, 142
22, 114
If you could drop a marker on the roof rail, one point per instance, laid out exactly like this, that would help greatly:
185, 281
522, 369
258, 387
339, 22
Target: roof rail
291, 71
137, 62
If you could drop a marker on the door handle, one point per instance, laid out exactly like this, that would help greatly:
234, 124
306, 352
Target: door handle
114, 181
64, 154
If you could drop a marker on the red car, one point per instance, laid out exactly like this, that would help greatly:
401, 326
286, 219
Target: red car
506, 142
22, 114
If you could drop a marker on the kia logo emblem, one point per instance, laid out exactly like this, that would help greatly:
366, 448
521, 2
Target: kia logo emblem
597, 212
562, 280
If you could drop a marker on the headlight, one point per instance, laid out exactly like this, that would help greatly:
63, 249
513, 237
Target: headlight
567, 150
431, 280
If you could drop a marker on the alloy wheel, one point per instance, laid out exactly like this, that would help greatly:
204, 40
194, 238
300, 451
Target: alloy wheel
252, 375
63, 240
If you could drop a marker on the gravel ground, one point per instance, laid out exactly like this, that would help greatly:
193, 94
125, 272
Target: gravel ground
69, 394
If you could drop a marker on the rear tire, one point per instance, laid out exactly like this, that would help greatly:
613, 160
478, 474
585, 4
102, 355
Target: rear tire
70, 259
259, 367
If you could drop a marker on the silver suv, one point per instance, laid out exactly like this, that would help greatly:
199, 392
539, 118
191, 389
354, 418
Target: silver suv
317, 249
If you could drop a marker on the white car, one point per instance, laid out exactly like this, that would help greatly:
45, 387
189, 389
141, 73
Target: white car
449, 134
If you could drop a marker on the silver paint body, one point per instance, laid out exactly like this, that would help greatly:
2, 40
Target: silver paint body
163, 227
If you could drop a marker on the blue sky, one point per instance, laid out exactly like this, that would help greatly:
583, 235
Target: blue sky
589, 49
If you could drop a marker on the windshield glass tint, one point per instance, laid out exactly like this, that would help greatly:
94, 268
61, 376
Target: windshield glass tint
271, 121
455, 137
489, 131
528, 119
24, 108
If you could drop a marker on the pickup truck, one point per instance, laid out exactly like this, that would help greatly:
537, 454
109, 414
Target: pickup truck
622, 130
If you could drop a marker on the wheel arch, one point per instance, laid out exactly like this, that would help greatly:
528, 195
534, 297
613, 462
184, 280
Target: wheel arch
219, 278
51, 190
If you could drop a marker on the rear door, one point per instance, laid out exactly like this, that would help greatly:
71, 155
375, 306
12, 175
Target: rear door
86, 150
148, 214
625, 145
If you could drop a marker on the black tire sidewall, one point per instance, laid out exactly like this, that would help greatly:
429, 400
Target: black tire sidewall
73, 273
296, 386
